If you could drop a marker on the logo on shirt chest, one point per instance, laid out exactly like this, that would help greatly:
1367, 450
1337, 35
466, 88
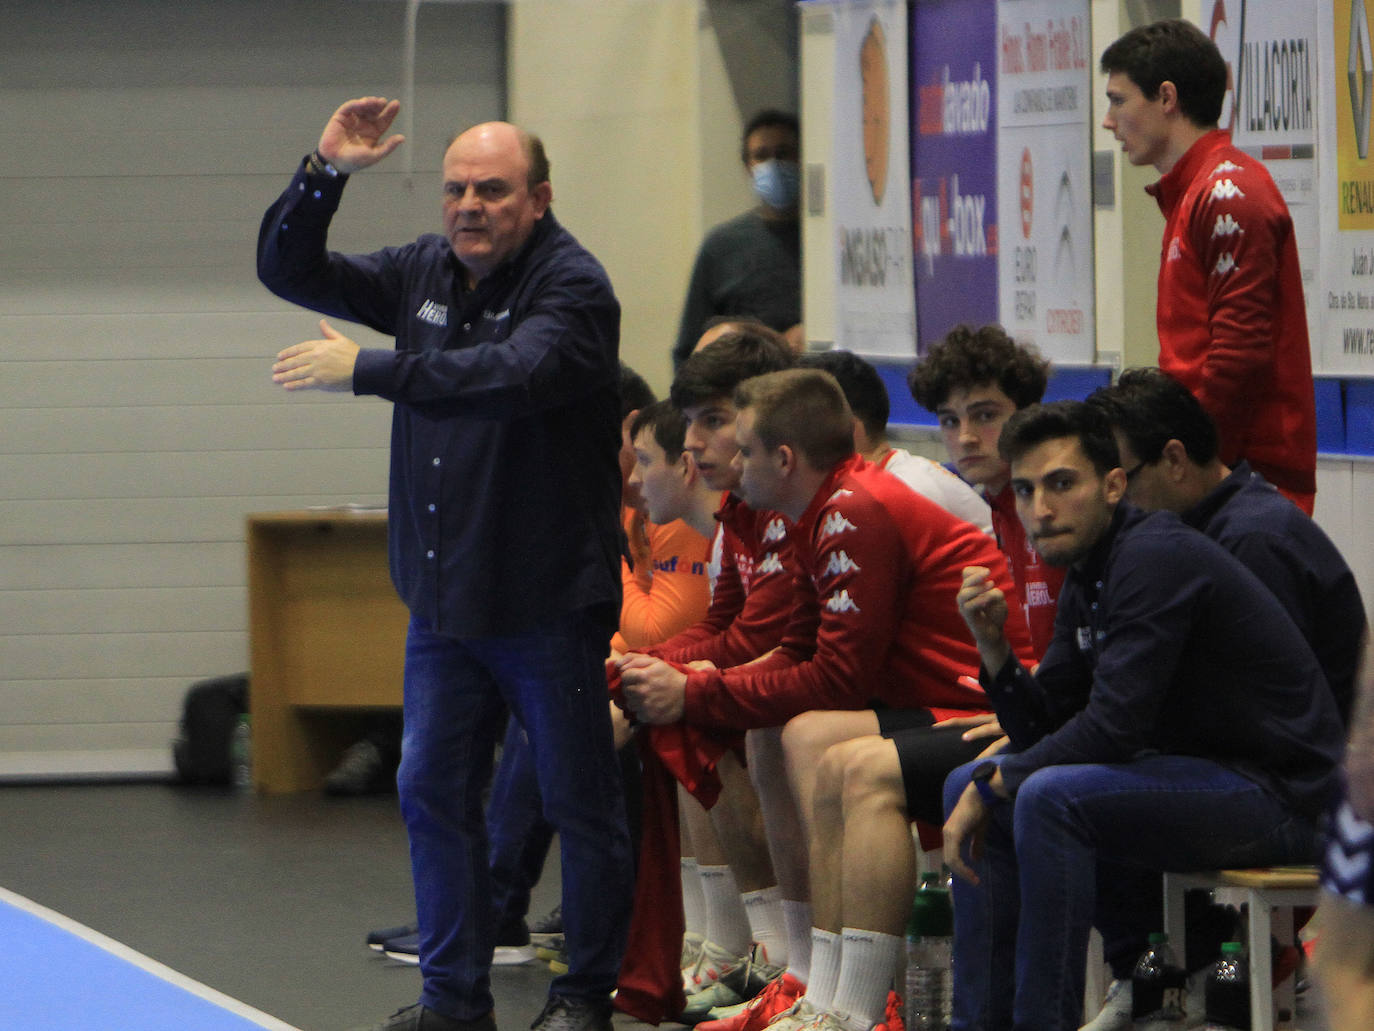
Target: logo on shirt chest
434, 313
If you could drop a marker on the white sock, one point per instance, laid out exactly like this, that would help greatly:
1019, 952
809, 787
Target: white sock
868, 965
763, 908
825, 968
726, 924
796, 920
693, 899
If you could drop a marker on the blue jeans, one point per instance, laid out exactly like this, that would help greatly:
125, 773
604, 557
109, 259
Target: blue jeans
1021, 934
456, 691
518, 834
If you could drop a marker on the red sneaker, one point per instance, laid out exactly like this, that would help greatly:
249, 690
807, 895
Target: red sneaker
777, 997
892, 1015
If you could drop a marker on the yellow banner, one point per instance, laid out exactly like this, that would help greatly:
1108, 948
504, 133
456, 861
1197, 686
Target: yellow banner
1353, 88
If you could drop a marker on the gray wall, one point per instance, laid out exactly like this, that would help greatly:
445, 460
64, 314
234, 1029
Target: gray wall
138, 423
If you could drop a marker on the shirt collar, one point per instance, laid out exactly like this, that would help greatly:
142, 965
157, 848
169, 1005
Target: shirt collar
1170, 187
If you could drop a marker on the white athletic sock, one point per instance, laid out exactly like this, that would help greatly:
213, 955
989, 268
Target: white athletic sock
726, 924
825, 968
693, 899
764, 910
868, 965
796, 920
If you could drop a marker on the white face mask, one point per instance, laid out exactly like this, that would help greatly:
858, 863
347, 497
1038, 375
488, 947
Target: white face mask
777, 183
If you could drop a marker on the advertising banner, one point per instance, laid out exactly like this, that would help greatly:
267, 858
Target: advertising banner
954, 191
1271, 110
874, 298
1044, 189
1345, 291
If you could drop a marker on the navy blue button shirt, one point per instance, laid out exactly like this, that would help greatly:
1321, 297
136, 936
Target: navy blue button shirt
1164, 642
505, 483
1287, 550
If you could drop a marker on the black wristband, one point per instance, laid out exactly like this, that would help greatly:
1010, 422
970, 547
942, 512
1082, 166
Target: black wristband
981, 777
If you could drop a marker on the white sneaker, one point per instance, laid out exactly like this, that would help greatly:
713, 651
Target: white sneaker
713, 964
794, 1018
1115, 1014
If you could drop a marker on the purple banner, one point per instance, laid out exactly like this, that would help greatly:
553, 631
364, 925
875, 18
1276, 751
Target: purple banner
953, 75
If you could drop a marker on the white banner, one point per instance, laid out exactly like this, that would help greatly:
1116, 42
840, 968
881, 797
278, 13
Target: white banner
1044, 170
875, 300
1271, 51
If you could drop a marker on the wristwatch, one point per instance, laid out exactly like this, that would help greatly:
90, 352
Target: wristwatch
982, 777
319, 166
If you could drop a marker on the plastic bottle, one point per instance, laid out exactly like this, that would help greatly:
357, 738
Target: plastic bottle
929, 951
1228, 991
1159, 989
241, 754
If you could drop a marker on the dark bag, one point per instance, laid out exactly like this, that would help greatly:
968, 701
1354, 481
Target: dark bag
209, 715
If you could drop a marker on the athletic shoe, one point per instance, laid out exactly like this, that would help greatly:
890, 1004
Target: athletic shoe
712, 965
361, 771
509, 952
548, 926
701, 1004
826, 1021
691, 950
795, 1017
1115, 1014
777, 996
376, 940
892, 1014
562, 1013
421, 1018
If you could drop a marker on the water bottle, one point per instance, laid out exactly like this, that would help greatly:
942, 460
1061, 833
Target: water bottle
1159, 989
1227, 994
929, 951
241, 754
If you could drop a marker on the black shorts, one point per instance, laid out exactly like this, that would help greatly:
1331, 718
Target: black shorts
927, 754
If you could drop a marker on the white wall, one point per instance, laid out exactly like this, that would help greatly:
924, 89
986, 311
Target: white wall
138, 424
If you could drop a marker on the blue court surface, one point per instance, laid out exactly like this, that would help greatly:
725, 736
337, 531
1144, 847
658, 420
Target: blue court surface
60, 976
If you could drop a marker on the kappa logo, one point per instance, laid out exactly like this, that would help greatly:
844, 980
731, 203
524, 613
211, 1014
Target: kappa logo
1227, 166
775, 531
840, 563
1224, 264
1226, 226
840, 602
835, 523
770, 563
434, 313
1224, 189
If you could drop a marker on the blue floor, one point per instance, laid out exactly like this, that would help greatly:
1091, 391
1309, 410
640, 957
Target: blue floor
59, 976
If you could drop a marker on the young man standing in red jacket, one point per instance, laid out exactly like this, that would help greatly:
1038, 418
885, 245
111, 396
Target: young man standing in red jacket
1231, 320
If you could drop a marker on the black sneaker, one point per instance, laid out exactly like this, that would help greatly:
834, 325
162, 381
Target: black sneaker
376, 940
420, 1018
564, 1013
508, 953
543, 930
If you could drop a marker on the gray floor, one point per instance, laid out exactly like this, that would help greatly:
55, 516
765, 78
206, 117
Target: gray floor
264, 899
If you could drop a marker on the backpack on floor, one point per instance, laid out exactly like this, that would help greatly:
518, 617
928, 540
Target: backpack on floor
209, 715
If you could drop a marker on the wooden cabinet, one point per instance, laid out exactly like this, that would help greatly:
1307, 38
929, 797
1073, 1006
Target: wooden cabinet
327, 639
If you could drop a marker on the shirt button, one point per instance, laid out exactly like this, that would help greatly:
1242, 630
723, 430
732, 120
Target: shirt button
318, 195
432, 507
467, 326
436, 461
429, 554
